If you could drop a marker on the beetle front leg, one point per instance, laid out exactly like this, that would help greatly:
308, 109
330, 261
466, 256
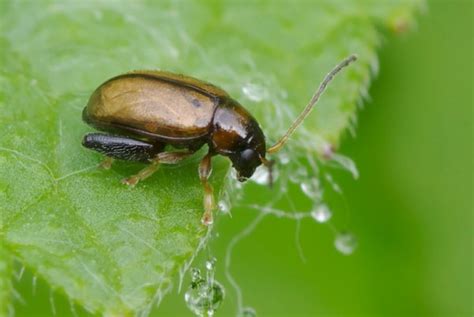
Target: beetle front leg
205, 169
161, 158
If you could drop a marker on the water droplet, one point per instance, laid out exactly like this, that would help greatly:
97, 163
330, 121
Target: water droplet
311, 188
262, 175
299, 175
224, 206
254, 92
247, 312
345, 243
203, 298
284, 158
210, 264
321, 213
195, 275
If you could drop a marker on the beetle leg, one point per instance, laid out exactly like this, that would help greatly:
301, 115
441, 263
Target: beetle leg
142, 174
106, 164
205, 169
160, 158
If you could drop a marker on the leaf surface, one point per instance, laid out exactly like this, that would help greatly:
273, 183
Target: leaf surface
115, 250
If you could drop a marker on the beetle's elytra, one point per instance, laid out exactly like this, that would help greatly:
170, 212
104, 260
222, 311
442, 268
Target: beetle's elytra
143, 111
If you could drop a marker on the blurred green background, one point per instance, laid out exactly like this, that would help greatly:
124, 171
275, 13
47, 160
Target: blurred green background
411, 209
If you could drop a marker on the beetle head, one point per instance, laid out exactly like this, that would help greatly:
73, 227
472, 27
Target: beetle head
249, 152
237, 135
245, 163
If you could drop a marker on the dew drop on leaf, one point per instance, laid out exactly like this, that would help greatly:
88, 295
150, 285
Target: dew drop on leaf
321, 213
284, 158
311, 187
345, 243
204, 297
210, 264
299, 175
262, 175
224, 206
195, 275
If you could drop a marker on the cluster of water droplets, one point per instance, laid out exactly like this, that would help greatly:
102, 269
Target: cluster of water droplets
205, 294
308, 176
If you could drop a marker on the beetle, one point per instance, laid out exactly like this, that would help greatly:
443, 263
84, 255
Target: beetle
142, 112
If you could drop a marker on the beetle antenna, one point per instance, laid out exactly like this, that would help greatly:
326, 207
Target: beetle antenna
277, 146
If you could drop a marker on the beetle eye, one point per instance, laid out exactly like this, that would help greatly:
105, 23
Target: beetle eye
248, 155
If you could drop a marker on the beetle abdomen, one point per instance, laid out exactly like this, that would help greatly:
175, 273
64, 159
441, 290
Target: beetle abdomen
144, 103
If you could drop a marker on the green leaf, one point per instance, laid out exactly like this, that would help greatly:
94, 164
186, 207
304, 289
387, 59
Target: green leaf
114, 250
6, 269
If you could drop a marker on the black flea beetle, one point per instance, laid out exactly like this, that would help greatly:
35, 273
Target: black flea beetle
143, 111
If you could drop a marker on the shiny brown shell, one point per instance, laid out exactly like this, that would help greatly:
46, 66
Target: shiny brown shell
156, 105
